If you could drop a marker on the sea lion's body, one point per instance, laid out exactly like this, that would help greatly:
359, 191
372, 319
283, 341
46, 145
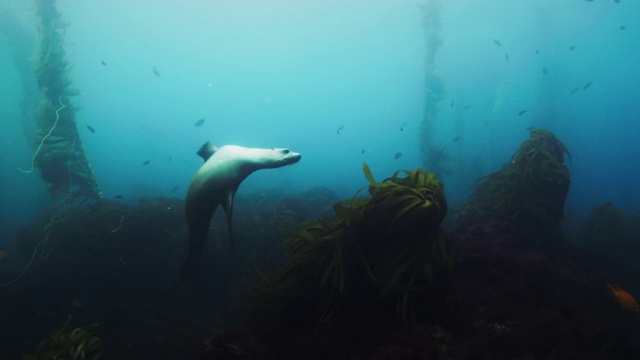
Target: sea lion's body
216, 182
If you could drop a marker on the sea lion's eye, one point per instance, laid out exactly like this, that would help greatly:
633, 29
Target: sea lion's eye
286, 151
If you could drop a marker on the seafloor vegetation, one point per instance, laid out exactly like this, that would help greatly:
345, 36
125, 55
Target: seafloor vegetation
373, 277
312, 276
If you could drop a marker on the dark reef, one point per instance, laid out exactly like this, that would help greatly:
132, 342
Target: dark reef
373, 277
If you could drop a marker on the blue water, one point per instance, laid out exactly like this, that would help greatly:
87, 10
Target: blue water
291, 73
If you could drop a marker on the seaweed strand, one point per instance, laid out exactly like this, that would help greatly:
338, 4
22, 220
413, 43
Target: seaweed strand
33, 159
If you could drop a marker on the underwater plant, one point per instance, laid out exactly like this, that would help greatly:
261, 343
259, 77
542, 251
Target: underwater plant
78, 344
59, 154
528, 192
433, 156
385, 247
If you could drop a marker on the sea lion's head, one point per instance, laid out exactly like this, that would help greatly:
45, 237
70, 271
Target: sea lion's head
282, 157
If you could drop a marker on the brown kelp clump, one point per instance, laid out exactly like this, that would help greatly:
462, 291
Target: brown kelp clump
102, 242
59, 154
528, 192
373, 255
106, 263
78, 344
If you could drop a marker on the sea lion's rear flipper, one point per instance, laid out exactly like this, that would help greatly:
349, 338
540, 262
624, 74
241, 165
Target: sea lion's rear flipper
206, 150
227, 205
197, 237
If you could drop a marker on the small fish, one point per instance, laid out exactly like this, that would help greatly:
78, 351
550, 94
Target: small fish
104, 63
616, 1
146, 162
397, 156
498, 43
455, 139
91, 129
623, 298
522, 112
402, 127
537, 51
118, 196
587, 85
339, 129
3, 256
467, 107
622, 27
199, 122
155, 71
573, 91
362, 151
506, 56
451, 103
571, 48
544, 71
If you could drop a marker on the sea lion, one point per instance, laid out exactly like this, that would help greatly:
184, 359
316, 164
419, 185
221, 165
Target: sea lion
216, 182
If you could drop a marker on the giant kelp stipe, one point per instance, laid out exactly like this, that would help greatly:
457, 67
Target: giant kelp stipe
433, 154
59, 155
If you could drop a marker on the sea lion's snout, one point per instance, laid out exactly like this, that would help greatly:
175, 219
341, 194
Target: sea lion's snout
289, 157
295, 158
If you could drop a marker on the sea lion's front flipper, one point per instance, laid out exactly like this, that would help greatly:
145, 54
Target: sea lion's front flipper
206, 150
227, 205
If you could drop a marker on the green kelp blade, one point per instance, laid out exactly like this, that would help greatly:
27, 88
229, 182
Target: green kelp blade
367, 173
406, 209
306, 236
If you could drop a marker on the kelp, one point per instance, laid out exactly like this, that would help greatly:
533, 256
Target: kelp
528, 192
103, 235
78, 344
59, 154
432, 155
386, 246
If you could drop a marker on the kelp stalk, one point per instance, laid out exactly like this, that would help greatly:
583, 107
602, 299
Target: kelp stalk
59, 154
435, 157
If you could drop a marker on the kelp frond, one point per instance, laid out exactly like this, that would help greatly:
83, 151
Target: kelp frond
78, 344
388, 244
529, 191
